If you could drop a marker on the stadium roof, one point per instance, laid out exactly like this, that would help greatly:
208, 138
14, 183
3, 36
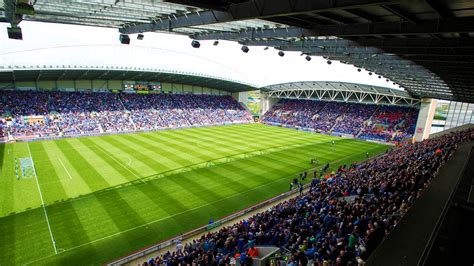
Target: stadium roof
340, 91
13, 75
425, 46
333, 85
119, 13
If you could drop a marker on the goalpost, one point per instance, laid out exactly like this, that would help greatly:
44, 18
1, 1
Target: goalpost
27, 170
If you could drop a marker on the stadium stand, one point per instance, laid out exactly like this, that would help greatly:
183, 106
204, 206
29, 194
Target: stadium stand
340, 220
2, 125
391, 122
367, 121
44, 114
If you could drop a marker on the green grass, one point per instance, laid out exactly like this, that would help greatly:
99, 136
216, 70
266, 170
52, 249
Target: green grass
108, 196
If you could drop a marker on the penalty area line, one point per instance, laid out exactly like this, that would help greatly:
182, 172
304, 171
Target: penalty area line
161, 219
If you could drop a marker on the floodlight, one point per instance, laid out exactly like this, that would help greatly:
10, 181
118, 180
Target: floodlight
124, 39
195, 44
14, 32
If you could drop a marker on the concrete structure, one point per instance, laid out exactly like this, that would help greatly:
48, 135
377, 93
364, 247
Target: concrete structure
266, 103
264, 255
425, 119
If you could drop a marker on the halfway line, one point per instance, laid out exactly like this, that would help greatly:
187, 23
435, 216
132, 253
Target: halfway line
70, 177
119, 162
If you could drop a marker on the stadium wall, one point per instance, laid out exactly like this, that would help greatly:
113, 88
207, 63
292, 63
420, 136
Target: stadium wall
104, 85
266, 103
412, 239
425, 119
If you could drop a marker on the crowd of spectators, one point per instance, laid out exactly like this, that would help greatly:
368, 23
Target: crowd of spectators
143, 110
354, 118
340, 220
2, 126
369, 121
297, 113
391, 123
34, 114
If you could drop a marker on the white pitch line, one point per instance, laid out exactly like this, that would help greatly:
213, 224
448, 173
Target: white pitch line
158, 220
70, 177
122, 164
167, 217
42, 201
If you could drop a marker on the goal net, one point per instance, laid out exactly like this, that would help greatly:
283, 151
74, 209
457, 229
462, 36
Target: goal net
27, 168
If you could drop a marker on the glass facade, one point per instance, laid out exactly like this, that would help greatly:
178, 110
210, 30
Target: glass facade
459, 114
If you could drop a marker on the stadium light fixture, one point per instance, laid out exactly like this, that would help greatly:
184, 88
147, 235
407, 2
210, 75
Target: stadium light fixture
281, 53
14, 32
195, 44
124, 39
308, 58
244, 49
140, 36
216, 42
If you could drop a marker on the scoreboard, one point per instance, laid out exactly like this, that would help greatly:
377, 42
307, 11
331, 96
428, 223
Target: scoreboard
142, 87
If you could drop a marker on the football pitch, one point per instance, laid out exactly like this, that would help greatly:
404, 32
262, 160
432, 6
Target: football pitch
91, 200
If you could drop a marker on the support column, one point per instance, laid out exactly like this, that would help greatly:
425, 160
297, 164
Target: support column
266, 103
425, 119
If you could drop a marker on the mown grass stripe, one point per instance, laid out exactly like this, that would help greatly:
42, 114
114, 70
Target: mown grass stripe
178, 145
91, 177
162, 153
47, 172
128, 147
64, 219
112, 160
263, 161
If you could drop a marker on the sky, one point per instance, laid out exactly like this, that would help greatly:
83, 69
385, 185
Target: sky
70, 45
